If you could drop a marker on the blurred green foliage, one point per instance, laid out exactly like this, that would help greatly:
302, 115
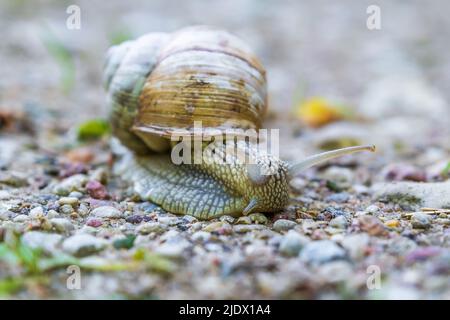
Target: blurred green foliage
120, 35
92, 130
62, 56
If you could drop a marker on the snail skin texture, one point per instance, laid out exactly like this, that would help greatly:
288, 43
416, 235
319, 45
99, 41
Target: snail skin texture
162, 83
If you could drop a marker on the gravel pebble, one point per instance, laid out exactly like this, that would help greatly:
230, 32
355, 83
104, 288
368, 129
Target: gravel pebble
227, 218
41, 240
283, 225
107, 212
339, 222
93, 222
342, 177
321, 251
372, 209
149, 227
72, 201
201, 236
76, 194
5, 214
420, 220
137, 218
36, 212
62, 225
21, 218
66, 209
292, 242
72, 183
82, 245
338, 197
52, 214
244, 220
413, 195
96, 190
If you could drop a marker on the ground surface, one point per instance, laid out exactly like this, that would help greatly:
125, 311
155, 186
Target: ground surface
349, 222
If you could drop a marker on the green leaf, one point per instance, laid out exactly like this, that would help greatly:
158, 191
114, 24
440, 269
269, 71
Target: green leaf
93, 130
125, 243
446, 171
10, 286
154, 261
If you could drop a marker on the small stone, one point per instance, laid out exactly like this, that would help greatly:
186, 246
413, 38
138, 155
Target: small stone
72, 183
331, 212
41, 240
83, 210
339, 222
62, 225
5, 214
71, 201
393, 223
107, 212
137, 218
82, 245
291, 243
420, 220
403, 171
169, 221
150, 227
13, 179
196, 226
372, 225
93, 222
21, 218
4, 195
372, 209
96, 190
243, 228
227, 218
172, 250
36, 213
413, 195
322, 251
201, 236
76, 194
219, 227
244, 220
66, 209
356, 245
283, 225
421, 254
342, 177
258, 218
361, 189
52, 214
445, 221
189, 219
338, 197
335, 272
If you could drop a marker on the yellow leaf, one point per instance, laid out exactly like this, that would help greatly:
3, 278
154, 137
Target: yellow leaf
316, 112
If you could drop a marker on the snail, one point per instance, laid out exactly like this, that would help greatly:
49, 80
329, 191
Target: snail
160, 84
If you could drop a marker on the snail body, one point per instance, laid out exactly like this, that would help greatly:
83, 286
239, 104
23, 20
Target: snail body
160, 85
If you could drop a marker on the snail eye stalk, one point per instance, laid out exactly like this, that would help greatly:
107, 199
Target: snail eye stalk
322, 157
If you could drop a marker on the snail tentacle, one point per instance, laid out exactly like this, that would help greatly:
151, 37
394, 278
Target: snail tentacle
324, 156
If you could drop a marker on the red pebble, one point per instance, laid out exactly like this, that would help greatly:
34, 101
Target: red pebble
94, 223
96, 190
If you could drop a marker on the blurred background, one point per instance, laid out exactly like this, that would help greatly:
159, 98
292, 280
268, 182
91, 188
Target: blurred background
316, 52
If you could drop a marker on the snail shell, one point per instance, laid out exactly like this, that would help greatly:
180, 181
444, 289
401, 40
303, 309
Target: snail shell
160, 84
